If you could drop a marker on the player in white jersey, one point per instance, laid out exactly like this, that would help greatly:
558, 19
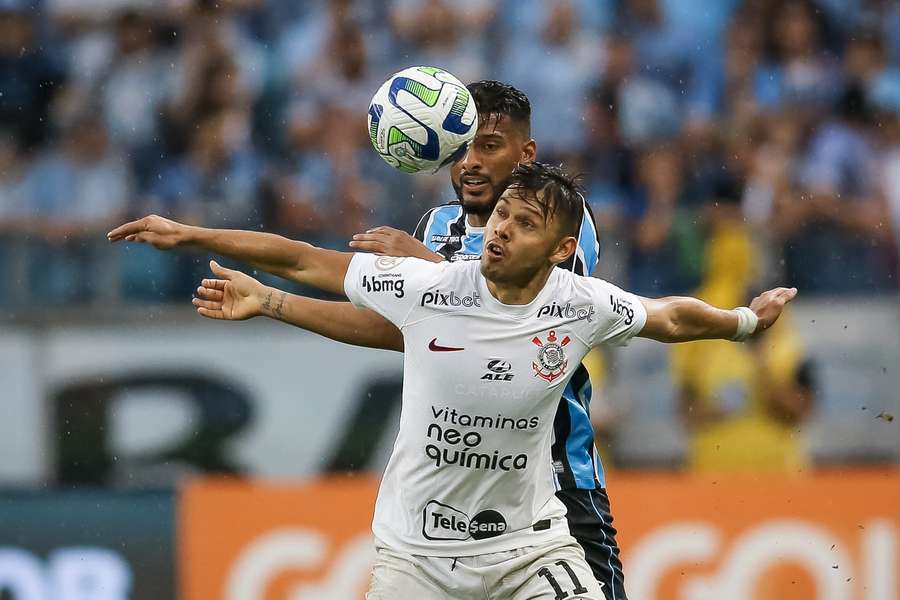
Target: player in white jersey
455, 231
467, 506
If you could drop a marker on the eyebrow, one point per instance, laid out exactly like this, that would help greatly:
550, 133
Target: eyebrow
490, 134
530, 207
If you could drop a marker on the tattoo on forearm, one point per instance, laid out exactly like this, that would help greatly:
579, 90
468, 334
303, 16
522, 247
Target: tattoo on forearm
276, 311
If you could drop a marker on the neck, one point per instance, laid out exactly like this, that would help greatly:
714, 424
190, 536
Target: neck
518, 293
476, 220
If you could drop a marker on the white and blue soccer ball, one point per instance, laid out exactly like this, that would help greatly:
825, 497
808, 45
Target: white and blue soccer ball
421, 119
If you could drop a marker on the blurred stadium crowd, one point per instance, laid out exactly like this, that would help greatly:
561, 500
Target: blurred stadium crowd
725, 145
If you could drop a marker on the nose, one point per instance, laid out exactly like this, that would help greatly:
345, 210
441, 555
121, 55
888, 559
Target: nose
471, 161
502, 229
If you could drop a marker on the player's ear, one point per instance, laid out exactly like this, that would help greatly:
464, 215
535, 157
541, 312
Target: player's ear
529, 151
564, 249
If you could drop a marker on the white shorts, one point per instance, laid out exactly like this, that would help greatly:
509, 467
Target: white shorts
551, 572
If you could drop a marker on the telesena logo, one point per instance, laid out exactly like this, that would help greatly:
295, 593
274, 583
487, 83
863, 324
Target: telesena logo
383, 283
443, 522
622, 307
558, 311
439, 299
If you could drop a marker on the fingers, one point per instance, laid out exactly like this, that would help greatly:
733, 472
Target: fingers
207, 293
220, 270
215, 284
122, 231
207, 304
372, 235
376, 247
781, 293
147, 237
143, 236
210, 314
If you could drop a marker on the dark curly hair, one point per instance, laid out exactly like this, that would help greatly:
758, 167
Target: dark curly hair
561, 197
496, 99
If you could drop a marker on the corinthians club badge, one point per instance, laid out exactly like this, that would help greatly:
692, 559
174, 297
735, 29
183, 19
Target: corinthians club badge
551, 360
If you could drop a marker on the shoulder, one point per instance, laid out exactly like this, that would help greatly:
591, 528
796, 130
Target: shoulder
443, 213
599, 292
454, 206
440, 221
584, 261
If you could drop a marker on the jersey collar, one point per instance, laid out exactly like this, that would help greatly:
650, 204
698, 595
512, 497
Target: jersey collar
518, 310
472, 230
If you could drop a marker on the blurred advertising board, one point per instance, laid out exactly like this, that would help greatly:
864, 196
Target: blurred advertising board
139, 401
241, 541
87, 545
139, 404
824, 536
828, 536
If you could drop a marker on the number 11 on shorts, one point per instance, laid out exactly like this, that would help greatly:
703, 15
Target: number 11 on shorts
561, 594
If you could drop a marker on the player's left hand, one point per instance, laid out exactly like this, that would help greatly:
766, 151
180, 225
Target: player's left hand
387, 241
233, 296
769, 305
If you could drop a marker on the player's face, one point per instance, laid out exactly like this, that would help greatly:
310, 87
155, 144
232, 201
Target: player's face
518, 242
483, 173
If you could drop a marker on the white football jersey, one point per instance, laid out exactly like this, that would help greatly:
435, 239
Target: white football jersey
470, 472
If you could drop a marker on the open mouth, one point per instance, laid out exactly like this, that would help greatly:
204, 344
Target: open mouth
475, 184
493, 249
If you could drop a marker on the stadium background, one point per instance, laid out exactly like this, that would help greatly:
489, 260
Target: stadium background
726, 146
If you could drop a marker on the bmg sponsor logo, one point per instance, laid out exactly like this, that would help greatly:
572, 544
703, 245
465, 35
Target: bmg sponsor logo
439, 299
622, 307
384, 283
443, 522
559, 311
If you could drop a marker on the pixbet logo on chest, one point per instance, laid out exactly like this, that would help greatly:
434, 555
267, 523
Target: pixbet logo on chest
450, 299
554, 310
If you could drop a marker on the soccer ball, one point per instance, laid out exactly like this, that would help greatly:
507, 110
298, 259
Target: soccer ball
421, 119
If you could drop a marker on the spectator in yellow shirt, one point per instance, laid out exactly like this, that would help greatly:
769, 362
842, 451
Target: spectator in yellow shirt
741, 404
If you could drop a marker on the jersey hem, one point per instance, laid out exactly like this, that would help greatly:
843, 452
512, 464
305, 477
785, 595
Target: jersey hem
558, 532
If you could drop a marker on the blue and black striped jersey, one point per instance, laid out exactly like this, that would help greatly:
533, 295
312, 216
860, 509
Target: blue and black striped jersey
444, 230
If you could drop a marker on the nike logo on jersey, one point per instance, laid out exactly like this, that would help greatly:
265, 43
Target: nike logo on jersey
434, 347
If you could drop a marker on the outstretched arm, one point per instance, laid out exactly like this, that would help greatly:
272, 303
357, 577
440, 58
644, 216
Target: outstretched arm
681, 319
293, 260
235, 296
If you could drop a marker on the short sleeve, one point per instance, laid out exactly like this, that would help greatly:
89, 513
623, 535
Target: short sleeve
386, 284
622, 314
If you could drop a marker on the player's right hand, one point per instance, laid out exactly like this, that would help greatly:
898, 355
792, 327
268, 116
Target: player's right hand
232, 296
161, 233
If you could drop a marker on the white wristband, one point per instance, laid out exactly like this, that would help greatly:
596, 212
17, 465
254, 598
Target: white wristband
747, 322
